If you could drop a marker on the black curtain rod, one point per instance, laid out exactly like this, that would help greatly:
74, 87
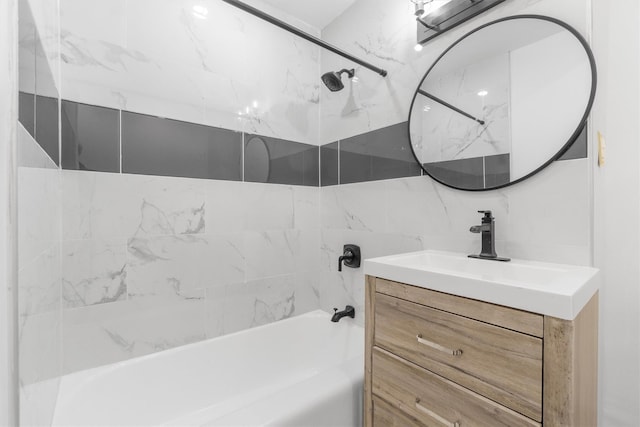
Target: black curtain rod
446, 104
260, 14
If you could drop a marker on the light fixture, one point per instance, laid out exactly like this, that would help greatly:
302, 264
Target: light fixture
434, 5
423, 8
419, 8
483, 93
200, 12
426, 108
435, 17
417, 47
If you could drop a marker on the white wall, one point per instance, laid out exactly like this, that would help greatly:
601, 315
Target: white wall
8, 228
617, 210
558, 82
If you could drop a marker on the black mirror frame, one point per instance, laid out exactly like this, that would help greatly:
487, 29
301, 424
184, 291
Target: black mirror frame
572, 138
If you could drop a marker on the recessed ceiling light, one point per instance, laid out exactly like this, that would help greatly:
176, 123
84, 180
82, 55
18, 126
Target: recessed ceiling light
483, 93
417, 47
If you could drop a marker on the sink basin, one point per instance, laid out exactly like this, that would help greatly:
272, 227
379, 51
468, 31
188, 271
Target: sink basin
556, 290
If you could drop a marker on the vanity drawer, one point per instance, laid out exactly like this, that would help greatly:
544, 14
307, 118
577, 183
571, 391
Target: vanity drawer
385, 415
432, 399
500, 364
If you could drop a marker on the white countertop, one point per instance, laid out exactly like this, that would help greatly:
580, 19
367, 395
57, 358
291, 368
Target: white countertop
557, 290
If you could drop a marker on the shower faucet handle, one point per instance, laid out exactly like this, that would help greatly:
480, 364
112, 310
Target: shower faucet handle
351, 257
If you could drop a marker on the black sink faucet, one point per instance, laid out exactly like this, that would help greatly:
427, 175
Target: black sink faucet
348, 311
487, 230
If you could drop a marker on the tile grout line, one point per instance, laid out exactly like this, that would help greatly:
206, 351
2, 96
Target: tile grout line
338, 183
242, 160
120, 138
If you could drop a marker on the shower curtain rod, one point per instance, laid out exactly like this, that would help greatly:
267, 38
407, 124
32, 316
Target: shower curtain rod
260, 14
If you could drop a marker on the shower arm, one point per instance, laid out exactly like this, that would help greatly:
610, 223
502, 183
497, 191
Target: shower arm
446, 104
260, 14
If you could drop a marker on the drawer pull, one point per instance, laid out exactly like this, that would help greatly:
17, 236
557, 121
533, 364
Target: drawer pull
435, 416
438, 346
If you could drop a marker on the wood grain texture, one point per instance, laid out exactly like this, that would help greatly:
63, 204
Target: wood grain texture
369, 318
571, 369
405, 386
510, 318
498, 363
385, 415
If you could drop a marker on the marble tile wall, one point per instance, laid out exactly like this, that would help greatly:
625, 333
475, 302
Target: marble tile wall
39, 281
449, 131
536, 219
151, 262
219, 67
39, 208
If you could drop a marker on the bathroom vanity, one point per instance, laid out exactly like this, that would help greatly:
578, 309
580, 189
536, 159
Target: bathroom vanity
458, 342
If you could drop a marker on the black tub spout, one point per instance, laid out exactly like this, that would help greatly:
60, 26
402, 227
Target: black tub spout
348, 311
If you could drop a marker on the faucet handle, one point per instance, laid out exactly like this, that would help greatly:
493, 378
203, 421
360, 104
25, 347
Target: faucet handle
487, 216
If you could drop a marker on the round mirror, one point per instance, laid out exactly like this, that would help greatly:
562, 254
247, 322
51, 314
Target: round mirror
502, 102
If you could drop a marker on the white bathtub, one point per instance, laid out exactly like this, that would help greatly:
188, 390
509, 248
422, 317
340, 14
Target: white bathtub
303, 371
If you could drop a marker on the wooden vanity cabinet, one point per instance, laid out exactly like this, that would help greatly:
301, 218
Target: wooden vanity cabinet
435, 359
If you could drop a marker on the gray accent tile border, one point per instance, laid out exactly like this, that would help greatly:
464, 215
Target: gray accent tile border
158, 146
463, 173
27, 112
279, 161
90, 137
385, 153
497, 170
329, 164
577, 150
47, 126
93, 137
380, 154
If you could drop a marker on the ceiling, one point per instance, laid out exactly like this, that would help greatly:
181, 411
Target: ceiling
317, 13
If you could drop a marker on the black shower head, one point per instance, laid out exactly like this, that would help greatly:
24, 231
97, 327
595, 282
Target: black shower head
333, 79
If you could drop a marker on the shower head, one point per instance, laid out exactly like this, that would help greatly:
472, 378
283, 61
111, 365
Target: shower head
333, 79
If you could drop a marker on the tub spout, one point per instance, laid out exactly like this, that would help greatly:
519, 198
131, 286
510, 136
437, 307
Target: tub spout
348, 311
